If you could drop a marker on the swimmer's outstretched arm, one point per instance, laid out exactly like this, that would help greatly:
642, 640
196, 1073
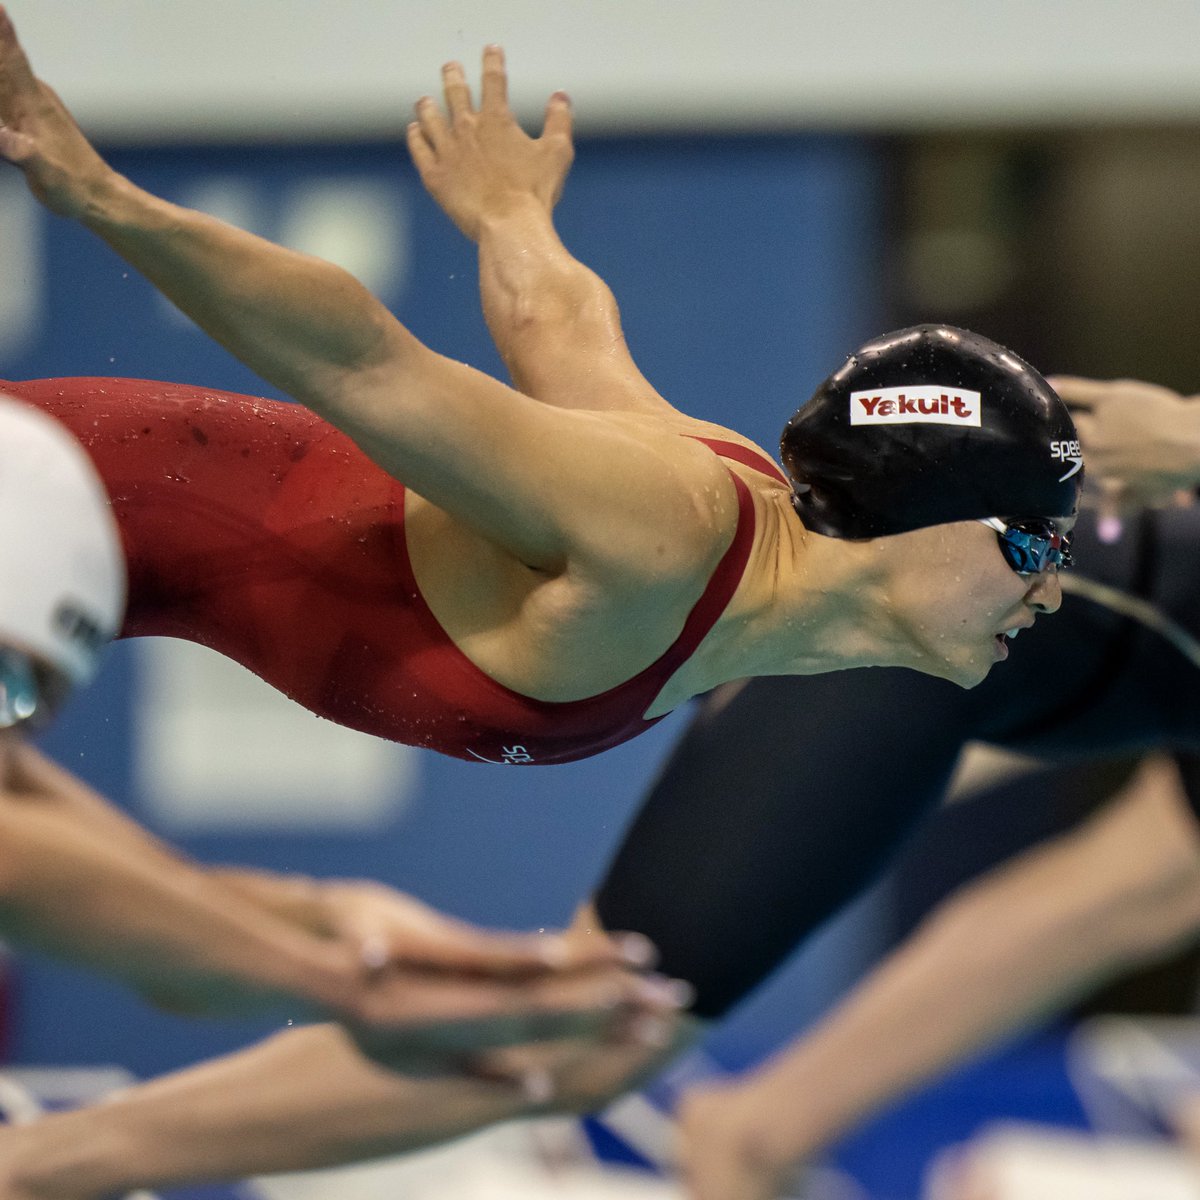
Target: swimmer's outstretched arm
1006, 949
554, 320
81, 880
546, 486
300, 1100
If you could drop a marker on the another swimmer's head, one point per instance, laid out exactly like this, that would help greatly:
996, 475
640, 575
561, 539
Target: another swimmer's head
927, 426
62, 573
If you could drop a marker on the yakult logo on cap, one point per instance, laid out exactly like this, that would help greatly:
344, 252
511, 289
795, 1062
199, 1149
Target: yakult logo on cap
923, 403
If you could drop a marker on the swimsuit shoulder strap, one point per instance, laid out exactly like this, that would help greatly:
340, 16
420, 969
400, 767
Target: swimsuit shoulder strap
736, 452
729, 571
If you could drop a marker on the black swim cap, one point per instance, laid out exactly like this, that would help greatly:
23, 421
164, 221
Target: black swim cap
926, 426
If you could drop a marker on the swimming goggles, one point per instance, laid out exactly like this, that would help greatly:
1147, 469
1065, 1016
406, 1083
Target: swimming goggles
1031, 546
19, 692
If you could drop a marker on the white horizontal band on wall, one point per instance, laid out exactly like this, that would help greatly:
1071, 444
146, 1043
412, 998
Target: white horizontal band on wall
140, 70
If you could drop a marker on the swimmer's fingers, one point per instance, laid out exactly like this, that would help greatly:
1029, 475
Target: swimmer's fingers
1137, 451
580, 1074
559, 118
39, 135
19, 94
557, 131
432, 123
1083, 395
493, 97
504, 954
419, 149
17, 81
479, 163
456, 91
15, 146
424, 1023
1077, 393
394, 929
447, 945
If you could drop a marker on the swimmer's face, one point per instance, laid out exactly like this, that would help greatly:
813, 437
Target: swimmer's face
976, 603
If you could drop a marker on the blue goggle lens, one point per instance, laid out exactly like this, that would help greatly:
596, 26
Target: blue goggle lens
19, 692
1032, 546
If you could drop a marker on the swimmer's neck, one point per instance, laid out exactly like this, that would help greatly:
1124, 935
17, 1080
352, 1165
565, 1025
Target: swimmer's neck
812, 604
832, 604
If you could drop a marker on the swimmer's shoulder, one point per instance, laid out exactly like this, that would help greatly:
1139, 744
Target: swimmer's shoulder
674, 510
674, 427
737, 452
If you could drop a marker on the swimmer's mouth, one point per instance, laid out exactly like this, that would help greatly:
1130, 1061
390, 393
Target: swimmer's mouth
1002, 639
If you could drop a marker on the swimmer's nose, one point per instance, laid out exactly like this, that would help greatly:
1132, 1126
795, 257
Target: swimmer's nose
1045, 591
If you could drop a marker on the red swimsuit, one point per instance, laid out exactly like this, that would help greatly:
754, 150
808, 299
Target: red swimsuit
253, 527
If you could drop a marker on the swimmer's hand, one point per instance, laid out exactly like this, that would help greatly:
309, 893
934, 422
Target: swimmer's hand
479, 163
517, 1029
393, 929
1141, 442
726, 1149
437, 995
39, 136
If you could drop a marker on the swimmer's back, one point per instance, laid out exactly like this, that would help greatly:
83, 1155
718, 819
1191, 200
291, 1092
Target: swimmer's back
256, 529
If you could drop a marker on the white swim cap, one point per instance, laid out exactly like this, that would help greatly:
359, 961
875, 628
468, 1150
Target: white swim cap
62, 572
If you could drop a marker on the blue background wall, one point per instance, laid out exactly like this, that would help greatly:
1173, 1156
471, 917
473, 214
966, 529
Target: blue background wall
745, 267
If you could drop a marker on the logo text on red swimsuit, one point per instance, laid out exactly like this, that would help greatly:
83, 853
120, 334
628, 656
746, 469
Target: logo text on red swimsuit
513, 756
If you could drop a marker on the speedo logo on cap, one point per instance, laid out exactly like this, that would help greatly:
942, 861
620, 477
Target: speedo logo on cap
1068, 452
923, 403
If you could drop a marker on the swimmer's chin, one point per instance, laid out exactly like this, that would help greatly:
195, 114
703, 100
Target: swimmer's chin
966, 676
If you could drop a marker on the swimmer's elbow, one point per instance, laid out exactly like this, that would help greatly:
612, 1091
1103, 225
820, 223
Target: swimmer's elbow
571, 300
